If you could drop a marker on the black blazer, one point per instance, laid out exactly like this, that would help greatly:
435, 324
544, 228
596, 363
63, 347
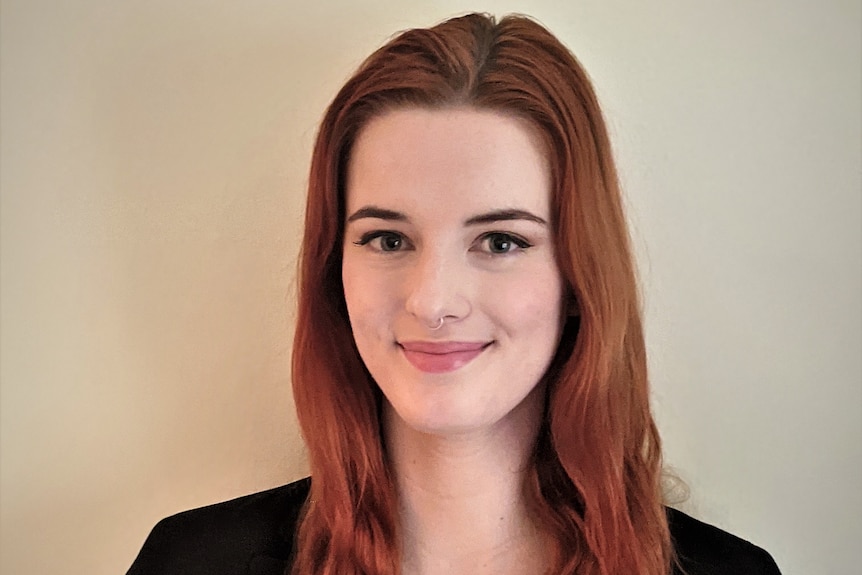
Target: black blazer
253, 535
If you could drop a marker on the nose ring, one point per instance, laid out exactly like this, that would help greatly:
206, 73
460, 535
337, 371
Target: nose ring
439, 324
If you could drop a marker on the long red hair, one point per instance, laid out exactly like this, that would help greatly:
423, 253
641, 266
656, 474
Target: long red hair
595, 477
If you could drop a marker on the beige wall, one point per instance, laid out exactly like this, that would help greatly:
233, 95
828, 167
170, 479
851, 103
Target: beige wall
153, 165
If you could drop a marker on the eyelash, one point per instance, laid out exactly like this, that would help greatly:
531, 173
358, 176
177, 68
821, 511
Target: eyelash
369, 237
518, 243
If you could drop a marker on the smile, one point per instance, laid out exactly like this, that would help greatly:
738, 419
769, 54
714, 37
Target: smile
440, 357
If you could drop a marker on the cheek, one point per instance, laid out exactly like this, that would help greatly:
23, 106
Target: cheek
531, 303
542, 318
369, 299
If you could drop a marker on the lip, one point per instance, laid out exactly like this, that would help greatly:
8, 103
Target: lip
441, 356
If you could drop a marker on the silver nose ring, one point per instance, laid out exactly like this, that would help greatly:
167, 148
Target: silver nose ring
439, 325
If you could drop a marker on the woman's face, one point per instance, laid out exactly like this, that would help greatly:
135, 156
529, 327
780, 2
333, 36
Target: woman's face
448, 217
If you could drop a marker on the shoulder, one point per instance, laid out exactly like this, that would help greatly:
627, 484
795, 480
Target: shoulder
702, 549
254, 535
248, 535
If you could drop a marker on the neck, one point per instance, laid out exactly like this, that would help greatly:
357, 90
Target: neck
461, 497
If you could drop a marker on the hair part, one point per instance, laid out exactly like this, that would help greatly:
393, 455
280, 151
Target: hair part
595, 482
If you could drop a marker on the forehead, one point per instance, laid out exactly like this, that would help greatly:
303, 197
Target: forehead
460, 159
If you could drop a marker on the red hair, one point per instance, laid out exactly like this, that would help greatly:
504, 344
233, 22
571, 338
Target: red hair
595, 477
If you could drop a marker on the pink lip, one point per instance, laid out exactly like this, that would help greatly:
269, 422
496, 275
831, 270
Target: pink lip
441, 356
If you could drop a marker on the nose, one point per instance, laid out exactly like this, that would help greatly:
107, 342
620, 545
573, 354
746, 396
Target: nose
437, 289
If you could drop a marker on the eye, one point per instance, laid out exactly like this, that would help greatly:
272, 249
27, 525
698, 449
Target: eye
383, 241
502, 243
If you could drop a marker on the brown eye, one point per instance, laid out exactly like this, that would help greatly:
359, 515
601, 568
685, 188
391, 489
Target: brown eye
390, 242
383, 241
498, 243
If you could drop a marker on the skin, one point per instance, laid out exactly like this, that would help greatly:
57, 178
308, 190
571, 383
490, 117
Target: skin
448, 215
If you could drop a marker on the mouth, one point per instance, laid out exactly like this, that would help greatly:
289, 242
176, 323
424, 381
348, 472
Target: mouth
443, 356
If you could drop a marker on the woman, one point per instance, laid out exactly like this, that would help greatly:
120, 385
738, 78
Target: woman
469, 367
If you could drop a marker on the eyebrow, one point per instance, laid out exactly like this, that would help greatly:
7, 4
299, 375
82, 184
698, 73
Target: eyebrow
487, 218
503, 216
377, 213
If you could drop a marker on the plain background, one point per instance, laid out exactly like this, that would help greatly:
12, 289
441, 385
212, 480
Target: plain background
154, 158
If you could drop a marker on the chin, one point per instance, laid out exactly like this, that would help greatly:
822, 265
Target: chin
465, 416
438, 423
